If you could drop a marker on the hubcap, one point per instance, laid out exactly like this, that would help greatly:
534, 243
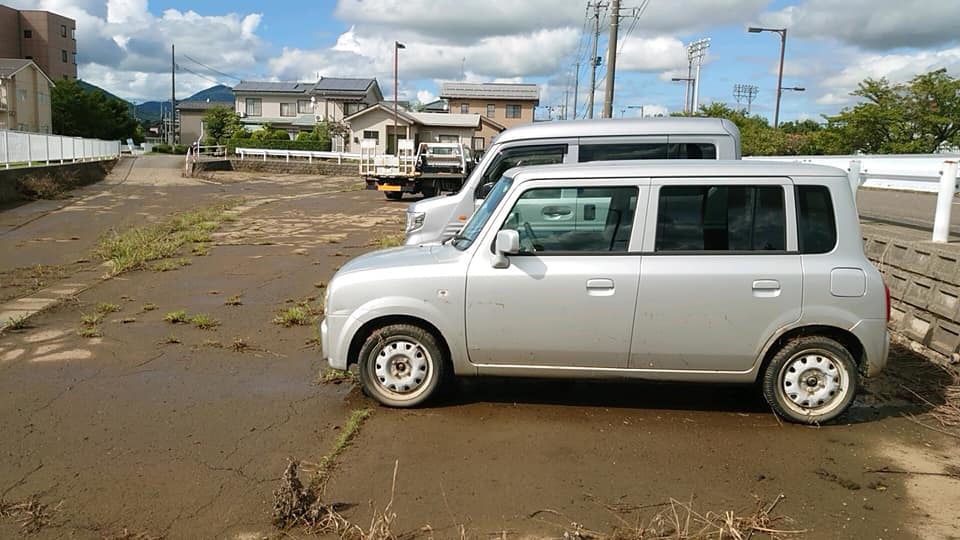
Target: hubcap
402, 366
813, 381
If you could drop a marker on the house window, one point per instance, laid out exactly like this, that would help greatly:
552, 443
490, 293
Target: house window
304, 106
286, 109
478, 144
74, 58
353, 108
254, 106
63, 30
63, 55
513, 111
21, 95
27, 34
375, 135
491, 109
448, 138
465, 108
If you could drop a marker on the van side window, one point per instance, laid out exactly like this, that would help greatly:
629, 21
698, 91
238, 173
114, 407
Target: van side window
592, 220
721, 218
692, 150
630, 151
816, 225
521, 157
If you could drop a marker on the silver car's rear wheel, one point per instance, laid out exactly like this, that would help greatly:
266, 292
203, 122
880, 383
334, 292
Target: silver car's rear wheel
811, 380
401, 365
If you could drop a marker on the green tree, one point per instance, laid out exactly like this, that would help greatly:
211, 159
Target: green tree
220, 124
79, 113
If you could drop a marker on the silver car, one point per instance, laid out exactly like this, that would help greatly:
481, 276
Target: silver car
702, 271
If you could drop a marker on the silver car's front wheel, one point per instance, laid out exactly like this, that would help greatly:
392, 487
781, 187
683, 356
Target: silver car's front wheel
811, 380
401, 365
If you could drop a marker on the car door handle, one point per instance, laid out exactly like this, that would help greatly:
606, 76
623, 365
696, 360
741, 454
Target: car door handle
766, 288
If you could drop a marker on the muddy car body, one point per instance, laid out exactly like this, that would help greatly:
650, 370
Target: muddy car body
723, 271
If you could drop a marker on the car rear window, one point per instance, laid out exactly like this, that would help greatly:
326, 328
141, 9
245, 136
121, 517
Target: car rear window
816, 224
721, 218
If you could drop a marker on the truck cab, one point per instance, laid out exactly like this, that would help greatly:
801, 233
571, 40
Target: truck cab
579, 141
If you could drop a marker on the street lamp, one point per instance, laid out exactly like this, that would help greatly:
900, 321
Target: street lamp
624, 109
396, 54
783, 46
686, 97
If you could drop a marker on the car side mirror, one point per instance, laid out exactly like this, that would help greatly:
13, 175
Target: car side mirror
485, 190
507, 243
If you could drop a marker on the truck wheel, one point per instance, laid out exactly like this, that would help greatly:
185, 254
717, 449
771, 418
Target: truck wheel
428, 192
811, 380
401, 365
393, 195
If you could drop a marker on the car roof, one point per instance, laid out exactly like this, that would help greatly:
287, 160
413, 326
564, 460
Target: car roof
671, 168
671, 125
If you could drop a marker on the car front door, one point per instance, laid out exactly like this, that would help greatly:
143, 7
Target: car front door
720, 274
568, 299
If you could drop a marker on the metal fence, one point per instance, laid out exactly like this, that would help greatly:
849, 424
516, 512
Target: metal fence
18, 148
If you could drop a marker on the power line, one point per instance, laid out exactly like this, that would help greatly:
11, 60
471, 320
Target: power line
227, 75
188, 70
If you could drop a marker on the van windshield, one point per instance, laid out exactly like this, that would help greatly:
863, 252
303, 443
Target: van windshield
472, 229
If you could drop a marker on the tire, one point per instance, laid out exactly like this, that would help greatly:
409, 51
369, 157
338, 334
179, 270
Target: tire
823, 373
394, 195
429, 191
401, 365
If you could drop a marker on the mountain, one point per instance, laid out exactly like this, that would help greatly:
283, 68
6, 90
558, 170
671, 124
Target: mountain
149, 111
214, 93
94, 88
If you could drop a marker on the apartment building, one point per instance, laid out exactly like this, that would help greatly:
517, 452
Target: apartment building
45, 38
24, 96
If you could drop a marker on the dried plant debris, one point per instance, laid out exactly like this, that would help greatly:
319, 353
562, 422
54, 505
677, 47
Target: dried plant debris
31, 514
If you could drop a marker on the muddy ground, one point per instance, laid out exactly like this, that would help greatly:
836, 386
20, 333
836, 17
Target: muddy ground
165, 430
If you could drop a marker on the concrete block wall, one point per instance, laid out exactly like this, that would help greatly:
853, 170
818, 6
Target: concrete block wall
65, 177
321, 168
923, 278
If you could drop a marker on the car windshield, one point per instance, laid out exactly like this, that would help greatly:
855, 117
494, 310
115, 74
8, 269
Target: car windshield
488, 156
465, 238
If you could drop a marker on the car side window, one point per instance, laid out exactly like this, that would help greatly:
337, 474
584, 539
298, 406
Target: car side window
592, 220
631, 151
520, 157
816, 225
721, 218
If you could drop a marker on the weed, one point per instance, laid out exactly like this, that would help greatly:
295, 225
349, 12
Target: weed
298, 315
91, 319
18, 322
90, 331
105, 308
329, 462
171, 340
388, 241
200, 249
167, 265
336, 376
149, 306
133, 248
179, 316
233, 301
204, 321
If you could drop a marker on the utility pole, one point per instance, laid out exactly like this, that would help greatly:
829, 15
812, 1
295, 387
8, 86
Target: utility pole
171, 133
594, 61
576, 90
611, 58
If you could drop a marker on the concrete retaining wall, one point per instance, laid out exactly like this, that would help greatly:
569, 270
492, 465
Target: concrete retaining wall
27, 183
323, 168
924, 296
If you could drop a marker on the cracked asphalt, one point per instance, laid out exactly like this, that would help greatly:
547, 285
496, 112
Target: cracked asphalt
170, 431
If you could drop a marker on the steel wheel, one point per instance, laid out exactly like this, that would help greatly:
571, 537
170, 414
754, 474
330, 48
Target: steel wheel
811, 380
401, 365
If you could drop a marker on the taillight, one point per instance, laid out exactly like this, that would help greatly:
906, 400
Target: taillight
887, 291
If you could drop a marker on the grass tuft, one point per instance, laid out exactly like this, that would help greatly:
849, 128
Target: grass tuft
171, 340
149, 306
388, 241
175, 317
17, 323
336, 376
91, 319
167, 265
298, 315
90, 331
204, 321
329, 462
105, 308
233, 301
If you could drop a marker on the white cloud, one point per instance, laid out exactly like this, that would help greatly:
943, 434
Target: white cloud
655, 54
426, 96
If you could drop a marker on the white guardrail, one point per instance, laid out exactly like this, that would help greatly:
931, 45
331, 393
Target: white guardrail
19, 148
936, 173
296, 154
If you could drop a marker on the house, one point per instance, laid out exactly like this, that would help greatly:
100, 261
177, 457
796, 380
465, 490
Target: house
299, 106
191, 114
377, 123
24, 96
508, 104
44, 37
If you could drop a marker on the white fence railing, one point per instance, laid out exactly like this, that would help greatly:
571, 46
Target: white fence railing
264, 153
935, 173
18, 148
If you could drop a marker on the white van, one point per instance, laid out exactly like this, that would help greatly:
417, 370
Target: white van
578, 141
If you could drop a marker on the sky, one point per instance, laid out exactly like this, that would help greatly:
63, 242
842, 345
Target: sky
124, 47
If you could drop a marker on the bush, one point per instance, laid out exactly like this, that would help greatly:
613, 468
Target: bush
162, 148
179, 149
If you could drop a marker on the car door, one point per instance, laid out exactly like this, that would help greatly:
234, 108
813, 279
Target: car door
568, 299
719, 276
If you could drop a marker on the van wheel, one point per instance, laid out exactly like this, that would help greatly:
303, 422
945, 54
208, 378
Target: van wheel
429, 192
811, 380
401, 365
393, 195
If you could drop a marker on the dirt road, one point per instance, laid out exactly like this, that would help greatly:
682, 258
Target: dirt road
167, 430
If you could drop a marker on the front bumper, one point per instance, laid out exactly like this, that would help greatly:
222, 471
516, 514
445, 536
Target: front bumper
332, 350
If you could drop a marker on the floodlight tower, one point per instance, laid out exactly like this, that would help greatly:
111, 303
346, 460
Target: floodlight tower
746, 92
696, 50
